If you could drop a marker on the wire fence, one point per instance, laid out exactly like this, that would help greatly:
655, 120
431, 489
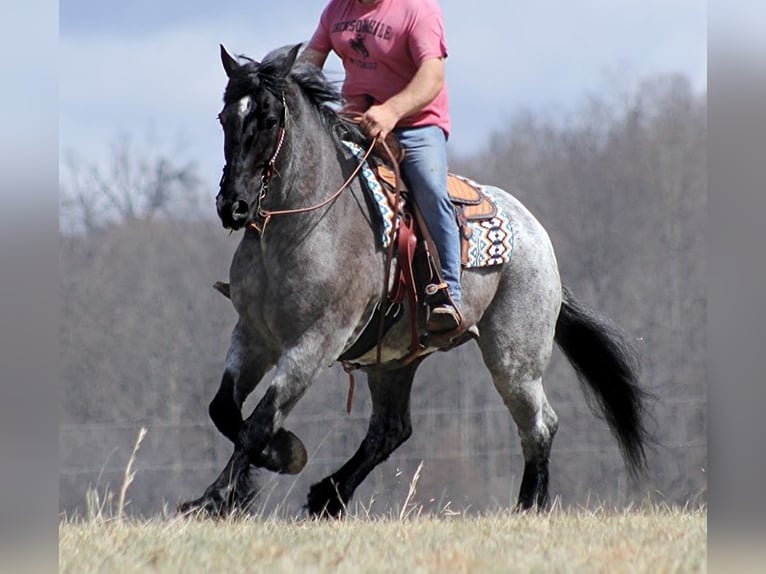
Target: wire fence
331, 417
337, 460
471, 449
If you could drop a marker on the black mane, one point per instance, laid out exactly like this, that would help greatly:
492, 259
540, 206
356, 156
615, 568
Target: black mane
326, 99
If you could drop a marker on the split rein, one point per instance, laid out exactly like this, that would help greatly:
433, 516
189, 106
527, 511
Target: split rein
266, 214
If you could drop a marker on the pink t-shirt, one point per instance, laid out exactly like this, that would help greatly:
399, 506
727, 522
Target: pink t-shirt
382, 46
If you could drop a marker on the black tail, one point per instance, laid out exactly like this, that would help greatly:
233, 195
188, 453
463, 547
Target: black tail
607, 366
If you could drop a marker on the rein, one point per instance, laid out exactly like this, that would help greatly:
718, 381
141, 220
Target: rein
268, 173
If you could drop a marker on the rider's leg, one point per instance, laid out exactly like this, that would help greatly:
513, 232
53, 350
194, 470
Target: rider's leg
425, 170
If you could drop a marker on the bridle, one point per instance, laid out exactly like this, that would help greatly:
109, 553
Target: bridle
265, 215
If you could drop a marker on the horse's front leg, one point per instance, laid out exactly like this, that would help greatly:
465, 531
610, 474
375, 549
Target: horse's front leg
247, 361
234, 489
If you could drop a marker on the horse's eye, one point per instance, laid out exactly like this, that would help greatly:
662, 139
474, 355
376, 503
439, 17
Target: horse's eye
269, 122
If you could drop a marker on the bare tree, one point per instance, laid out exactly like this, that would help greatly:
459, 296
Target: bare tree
135, 183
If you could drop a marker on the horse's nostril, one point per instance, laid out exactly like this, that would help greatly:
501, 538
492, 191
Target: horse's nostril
239, 209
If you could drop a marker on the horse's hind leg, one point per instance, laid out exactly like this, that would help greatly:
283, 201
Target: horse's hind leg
519, 382
389, 427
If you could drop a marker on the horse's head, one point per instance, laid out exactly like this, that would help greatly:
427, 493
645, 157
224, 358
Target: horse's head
253, 120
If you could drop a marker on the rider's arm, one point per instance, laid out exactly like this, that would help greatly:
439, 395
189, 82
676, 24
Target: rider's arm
421, 91
313, 56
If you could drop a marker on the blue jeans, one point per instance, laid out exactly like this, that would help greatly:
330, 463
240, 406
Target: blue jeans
424, 170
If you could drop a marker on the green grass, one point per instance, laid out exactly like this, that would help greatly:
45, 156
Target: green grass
651, 539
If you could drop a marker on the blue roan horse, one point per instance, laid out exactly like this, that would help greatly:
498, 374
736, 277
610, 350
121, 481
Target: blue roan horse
307, 286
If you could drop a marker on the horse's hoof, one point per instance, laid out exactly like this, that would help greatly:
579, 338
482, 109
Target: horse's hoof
203, 507
324, 500
303, 514
285, 454
188, 508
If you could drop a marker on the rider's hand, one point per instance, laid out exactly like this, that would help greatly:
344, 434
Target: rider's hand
379, 121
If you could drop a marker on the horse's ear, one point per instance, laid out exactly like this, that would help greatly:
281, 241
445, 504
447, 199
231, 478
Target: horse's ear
289, 61
229, 62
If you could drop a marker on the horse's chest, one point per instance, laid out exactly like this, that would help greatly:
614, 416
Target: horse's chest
264, 301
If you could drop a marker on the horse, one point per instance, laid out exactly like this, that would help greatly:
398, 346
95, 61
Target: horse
306, 278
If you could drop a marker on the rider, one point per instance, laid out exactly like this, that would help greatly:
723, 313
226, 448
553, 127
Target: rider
393, 53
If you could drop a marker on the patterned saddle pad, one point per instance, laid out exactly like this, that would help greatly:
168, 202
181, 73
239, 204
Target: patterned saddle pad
487, 232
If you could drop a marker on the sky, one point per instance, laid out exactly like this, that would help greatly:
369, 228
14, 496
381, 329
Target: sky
151, 70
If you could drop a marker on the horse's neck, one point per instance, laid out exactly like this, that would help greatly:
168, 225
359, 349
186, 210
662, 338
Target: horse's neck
311, 171
315, 168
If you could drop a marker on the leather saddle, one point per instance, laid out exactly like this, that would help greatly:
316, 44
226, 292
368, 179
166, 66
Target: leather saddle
471, 203
418, 277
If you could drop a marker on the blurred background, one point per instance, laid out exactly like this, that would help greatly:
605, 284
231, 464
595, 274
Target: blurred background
595, 118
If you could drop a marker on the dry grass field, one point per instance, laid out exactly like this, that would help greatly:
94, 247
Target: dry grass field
651, 539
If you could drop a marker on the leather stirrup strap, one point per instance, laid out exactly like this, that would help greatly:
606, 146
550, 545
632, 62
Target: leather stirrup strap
398, 211
407, 243
406, 251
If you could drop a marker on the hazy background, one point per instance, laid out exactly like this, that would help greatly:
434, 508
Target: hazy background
595, 115
149, 67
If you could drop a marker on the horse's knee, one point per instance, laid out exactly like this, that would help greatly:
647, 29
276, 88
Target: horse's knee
224, 411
